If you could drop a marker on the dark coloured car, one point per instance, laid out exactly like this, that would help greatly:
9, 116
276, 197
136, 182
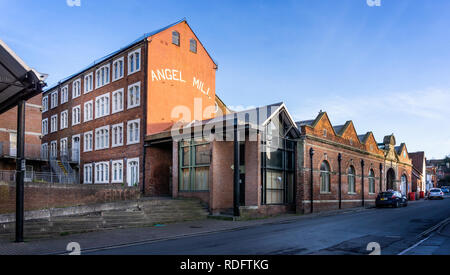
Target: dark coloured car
391, 198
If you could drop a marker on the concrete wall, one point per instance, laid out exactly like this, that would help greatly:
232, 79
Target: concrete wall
44, 196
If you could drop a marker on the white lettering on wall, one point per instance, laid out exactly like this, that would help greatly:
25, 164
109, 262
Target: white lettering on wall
175, 75
167, 74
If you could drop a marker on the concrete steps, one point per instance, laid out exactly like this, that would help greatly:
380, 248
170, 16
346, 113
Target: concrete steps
149, 213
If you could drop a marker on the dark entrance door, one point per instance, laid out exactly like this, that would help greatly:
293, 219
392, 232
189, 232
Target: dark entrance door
390, 179
242, 176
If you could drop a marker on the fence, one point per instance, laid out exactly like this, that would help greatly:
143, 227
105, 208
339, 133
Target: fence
36, 177
38, 152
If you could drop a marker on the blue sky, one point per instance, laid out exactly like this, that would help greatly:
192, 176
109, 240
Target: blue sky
386, 68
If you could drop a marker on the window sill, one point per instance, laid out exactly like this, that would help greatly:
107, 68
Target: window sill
131, 73
325, 193
117, 79
133, 143
352, 193
115, 112
134, 106
116, 146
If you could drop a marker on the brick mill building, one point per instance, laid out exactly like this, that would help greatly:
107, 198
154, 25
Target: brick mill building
8, 139
113, 123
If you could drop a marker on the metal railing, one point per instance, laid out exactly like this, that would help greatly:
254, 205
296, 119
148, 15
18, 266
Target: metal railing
37, 177
37, 152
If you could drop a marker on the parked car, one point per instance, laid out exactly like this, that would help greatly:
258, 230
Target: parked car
436, 193
391, 198
445, 189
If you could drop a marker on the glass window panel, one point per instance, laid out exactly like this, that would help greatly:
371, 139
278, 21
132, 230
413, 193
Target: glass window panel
202, 154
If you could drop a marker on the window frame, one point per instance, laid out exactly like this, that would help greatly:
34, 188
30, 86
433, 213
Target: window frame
114, 145
106, 145
326, 173
190, 45
351, 176
90, 166
64, 94
117, 110
88, 85
44, 104
372, 181
44, 121
54, 99
103, 82
178, 42
138, 121
106, 174
122, 74
129, 161
91, 102
192, 166
74, 122
132, 68
64, 125
75, 84
113, 180
91, 148
98, 106
133, 86
54, 118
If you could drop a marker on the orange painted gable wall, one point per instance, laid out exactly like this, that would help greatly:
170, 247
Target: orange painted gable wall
180, 66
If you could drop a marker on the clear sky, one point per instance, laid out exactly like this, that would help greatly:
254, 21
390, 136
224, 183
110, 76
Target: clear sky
386, 68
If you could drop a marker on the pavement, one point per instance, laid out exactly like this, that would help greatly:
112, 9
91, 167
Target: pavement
338, 232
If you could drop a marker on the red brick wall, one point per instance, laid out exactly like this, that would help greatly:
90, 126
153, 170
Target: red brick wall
329, 153
122, 152
252, 174
222, 190
158, 171
44, 196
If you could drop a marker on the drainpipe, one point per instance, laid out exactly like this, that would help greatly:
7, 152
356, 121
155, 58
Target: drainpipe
381, 177
311, 155
236, 169
340, 180
362, 181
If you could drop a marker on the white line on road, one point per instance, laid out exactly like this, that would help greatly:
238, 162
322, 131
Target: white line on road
414, 246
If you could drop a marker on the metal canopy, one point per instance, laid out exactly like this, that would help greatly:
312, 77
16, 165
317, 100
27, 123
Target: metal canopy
17, 80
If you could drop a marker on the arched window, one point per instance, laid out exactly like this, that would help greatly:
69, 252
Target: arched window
193, 46
176, 38
325, 178
371, 182
351, 180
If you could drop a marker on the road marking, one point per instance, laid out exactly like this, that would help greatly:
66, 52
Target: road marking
414, 246
423, 234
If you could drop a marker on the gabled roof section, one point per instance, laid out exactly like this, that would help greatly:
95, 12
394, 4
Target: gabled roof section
314, 122
338, 129
363, 138
130, 45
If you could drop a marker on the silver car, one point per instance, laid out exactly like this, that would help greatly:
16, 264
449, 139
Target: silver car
436, 193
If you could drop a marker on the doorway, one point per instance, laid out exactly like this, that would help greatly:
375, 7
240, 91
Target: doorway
390, 180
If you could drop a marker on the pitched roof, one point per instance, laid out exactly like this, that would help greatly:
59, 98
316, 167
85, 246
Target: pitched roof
339, 128
135, 42
362, 138
305, 122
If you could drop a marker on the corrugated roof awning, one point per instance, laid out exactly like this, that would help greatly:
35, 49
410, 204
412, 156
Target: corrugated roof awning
17, 80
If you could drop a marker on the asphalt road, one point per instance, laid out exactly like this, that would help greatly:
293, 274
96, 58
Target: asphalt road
393, 229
